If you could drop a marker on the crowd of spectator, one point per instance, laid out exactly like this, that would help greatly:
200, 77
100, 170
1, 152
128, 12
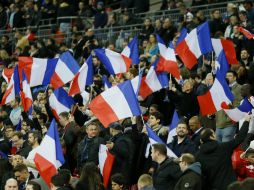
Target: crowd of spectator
213, 151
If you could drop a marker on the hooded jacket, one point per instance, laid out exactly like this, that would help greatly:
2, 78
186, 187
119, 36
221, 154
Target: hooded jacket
215, 159
191, 178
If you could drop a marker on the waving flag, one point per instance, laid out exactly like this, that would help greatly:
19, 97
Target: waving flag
216, 98
106, 83
59, 102
136, 82
38, 71
238, 113
114, 62
13, 88
131, 51
246, 33
106, 161
116, 103
7, 73
153, 81
167, 61
195, 44
181, 37
172, 128
49, 156
83, 78
66, 69
153, 138
221, 64
226, 47
26, 95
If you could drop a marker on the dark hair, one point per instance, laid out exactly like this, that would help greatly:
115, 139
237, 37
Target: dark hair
248, 184
66, 175
43, 116
36, 134
58, 180
157, 115
18, 134
118, 178
161, 148
35, 185
90, 173
20, 168
65, 114
206, 134
233, 72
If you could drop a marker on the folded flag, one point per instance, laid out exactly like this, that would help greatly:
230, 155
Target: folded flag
216, 98
153, 81
114, 62
246, 33
106, 161
59, 102
66, 69
172, 128
7, 73
131, 52
118, 102
167, 61
25, 94
238, 113
153, 138
83, 78
226, 46
49, 156
195, 44
106, 83
13, 88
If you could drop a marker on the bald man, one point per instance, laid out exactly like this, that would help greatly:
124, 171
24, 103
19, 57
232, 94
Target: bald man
196, 129
11, 184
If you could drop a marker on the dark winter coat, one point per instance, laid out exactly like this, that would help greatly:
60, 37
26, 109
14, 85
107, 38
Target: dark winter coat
215, 159
166, 175
191, 178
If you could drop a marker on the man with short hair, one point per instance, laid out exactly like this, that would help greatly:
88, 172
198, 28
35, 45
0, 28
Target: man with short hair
181, 142
15, 114
22, 146
145, 182
167, 172
191, 178
11, 184
215, 157
245, 58
196, 128
22, 175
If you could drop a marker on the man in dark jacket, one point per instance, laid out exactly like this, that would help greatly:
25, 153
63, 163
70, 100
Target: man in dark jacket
88, 148
215, 157
167, 172
181, 142
122, 148
191, 178
196, 129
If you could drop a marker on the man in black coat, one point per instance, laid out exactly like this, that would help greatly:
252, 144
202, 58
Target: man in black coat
191, 178
196, 129
181, 142
167, 172
122, 148
215, 157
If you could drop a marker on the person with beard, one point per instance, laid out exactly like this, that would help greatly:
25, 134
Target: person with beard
181, 143
34, 139
245, 58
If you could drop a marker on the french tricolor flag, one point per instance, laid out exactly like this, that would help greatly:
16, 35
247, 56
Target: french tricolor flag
246, 33
136, 82
49, 156
7, 73
25, 94
131, 51
195, 44
106, 82
172, 128
118, 102
59, 102
106, 161
167, 61
226, 46
13, 88
216, 98
38, 71
238, 113
153, 138
153, 81
83, 78
114, 62
66, 69
221, 64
